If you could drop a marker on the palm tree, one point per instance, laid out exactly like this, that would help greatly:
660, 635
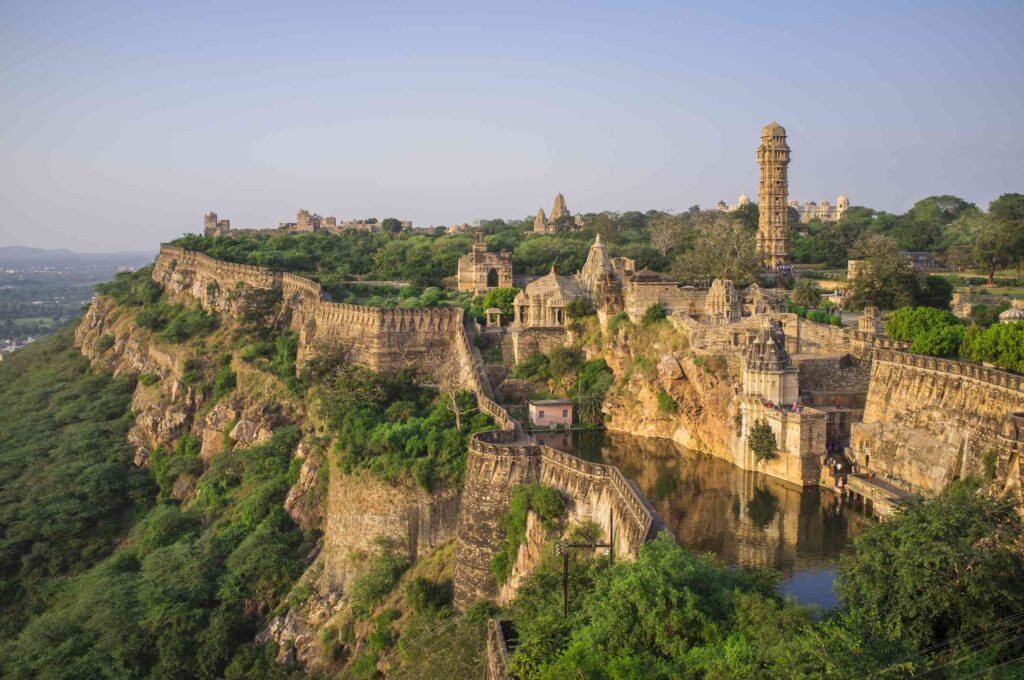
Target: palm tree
806, 294
588, 407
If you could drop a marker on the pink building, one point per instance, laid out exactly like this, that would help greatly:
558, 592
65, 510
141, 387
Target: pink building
551, 413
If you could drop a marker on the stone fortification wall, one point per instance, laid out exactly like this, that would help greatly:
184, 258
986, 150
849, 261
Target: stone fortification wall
928, 421
381, 338
497, 651
639, 296
802, 336
497, 463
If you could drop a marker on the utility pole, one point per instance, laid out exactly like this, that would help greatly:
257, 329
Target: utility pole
564, 547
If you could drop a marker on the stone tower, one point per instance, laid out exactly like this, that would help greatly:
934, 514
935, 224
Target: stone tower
210, 224
773, 191
540, 222
558, 210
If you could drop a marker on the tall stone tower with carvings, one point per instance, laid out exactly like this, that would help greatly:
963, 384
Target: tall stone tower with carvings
773, 191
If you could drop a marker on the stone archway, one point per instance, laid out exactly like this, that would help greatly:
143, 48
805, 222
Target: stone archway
492, 278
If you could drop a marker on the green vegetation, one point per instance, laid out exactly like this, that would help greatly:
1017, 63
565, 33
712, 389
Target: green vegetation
586, 382
175, 323
392, 426
69, 488
653, 314
132, 289
378, 577
502, 299
940, 569
939, 333
666, 404
762, 441
425, 259
806, 293
816, 315
99, 582
541, 500
913, 594
1001, 345
928, 330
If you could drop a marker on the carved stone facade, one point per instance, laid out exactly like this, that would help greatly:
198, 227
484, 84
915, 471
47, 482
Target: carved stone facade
479, 270
559, 220
767, 370
723, 304
542, 303
773, 191
824, 211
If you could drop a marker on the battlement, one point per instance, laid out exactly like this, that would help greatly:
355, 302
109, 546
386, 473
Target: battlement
953, 369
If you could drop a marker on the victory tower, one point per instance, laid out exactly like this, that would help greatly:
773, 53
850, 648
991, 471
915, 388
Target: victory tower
773, 190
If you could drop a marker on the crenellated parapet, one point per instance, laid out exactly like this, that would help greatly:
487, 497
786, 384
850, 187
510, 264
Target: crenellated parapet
954, 369
498, 462
928, 421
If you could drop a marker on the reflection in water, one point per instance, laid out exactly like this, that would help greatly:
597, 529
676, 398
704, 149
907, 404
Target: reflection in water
745, 518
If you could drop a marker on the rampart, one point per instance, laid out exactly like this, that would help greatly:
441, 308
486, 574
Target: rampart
497, 463
498, 460
928, 421
381, 338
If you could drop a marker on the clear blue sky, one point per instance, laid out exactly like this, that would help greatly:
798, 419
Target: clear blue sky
123, 123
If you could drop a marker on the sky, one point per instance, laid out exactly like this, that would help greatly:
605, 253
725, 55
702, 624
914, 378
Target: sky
123, 123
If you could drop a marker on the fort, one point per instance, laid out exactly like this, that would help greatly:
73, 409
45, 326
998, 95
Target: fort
917, 422
847, 408
387, 339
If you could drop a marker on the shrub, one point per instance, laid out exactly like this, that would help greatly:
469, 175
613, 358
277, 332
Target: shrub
564, 360
1001, 344
666, 404
762, 441
580, 308
378, 578
149, 379
132, 289
617, 322
104, 342
654, 314
224, 381
502, 299
542, 500
931, 331
424, 595
534, 367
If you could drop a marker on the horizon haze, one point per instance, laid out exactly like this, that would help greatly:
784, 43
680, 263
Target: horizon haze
125, 124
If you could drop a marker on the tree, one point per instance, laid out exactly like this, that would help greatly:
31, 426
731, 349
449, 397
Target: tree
501, 298
936, 291
451, 378
938, 569
748, 215
887, 278
665, 231
806, 293
762, 441
931, 331
1008, 213
725, 250
391, 225
1001, 344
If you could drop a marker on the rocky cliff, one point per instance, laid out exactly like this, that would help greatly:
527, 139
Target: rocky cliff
705, 407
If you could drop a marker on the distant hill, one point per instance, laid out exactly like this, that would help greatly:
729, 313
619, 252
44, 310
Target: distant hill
15, 255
